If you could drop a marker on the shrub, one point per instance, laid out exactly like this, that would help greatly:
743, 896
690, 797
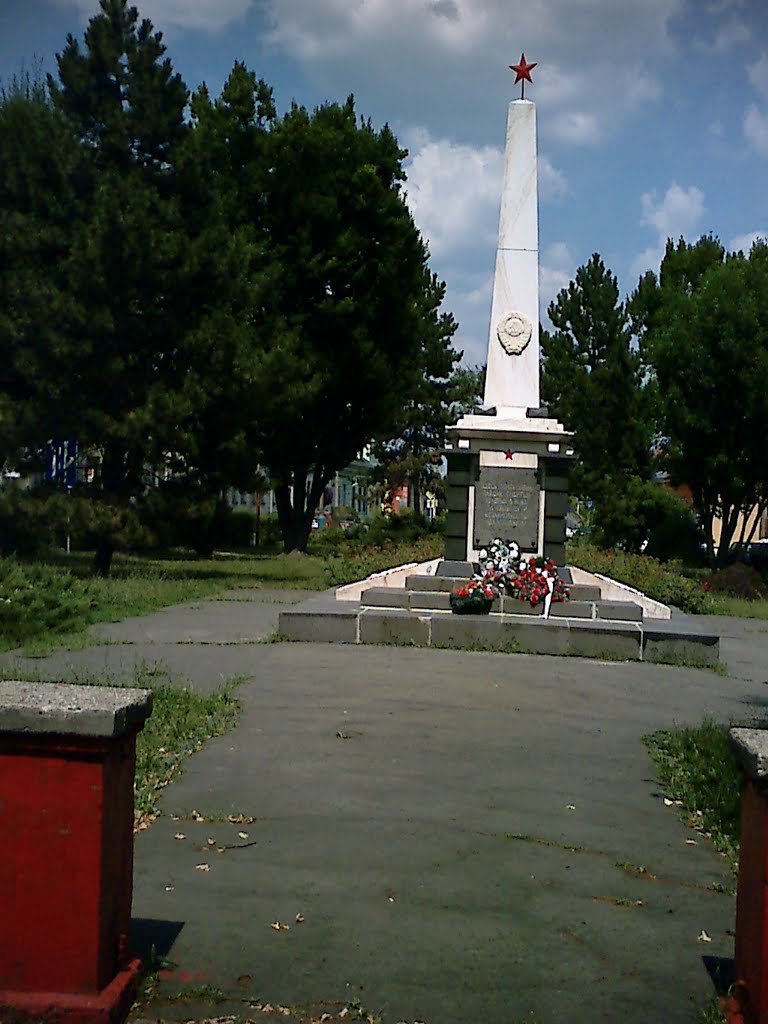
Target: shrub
739, 580
38, 598
663, 582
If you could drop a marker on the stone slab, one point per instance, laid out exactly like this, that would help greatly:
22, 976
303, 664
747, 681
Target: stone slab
604, 640
454, 568
463, 631
670, 644
538, 636
507, 506
71, 710
514, 606
626, 611
322, 626
751, 748
394, 627
572, 610
583, 592
384, 597
444, 583
429, 599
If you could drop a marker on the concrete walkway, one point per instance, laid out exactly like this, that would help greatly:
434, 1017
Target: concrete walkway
461, 832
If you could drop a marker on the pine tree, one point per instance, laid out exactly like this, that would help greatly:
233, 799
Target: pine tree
593, 381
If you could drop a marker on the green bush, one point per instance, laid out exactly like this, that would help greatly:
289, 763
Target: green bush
347, 565
37, 599
31, 520
662, 581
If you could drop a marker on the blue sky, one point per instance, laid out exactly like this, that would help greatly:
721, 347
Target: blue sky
652, 114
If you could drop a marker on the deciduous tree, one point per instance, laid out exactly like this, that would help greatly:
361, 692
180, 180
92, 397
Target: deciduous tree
704, 327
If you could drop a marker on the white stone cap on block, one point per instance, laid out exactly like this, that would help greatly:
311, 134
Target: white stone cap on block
68, 710
751, 748
508, 421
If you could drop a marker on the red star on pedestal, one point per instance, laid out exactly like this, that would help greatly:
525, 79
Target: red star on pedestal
523, 72
508, 454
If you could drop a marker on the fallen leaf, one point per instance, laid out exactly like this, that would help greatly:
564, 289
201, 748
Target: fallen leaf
179, 835
242, 835
704, 937
202, 867
299, 919
668, 802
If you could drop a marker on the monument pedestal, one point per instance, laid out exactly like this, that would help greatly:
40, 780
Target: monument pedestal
507, 477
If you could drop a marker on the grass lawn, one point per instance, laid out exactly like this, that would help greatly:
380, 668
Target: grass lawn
698, 770
49, 603
180, 723
724, 604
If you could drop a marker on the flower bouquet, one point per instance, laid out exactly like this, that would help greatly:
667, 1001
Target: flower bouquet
474, 599
529, 580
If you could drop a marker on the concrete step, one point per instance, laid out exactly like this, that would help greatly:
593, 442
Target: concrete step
562, 635
443, 583
426, 600
583, 592
627, 611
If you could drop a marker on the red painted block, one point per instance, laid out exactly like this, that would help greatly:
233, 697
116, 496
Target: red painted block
66, 869
748, 1000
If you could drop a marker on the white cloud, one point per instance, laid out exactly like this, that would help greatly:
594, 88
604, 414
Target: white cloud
758, 73
729, 34
576, 127
679, 212
553, 184
743, 243
556, 271
453, 192
755, 126
648, 259
201, 15
454, 54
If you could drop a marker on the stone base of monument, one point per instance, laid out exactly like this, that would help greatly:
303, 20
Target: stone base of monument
418, 614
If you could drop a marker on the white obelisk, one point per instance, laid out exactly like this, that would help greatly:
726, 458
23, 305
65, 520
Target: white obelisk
512, 379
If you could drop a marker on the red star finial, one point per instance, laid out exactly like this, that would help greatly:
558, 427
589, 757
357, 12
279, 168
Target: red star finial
523, 72
508, 454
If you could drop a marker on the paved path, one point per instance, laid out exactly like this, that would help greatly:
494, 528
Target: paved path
458, 830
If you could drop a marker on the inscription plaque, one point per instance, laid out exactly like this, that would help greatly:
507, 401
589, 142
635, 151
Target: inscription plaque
507, 506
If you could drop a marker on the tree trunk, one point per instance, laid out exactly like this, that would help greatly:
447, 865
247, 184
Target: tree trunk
102, 559
257, 523
730, 516
295, 517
